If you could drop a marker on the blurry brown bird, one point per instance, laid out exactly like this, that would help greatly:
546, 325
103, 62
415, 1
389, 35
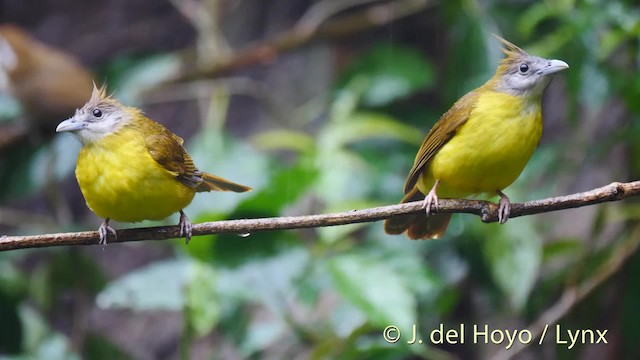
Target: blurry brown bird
49, 83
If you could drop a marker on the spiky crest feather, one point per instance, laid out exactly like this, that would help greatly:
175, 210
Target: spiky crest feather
514, 55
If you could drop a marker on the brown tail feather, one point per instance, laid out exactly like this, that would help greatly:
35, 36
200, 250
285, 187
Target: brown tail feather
398, 224
215, 183
418, 226
432, 227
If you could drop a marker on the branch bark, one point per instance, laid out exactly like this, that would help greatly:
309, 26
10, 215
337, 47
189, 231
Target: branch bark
315, 24
487, 211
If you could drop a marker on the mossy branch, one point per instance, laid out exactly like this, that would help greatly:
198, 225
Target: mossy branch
488, 212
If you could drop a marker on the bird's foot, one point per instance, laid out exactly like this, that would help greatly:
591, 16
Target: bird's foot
104, 231
431, 199
504, 208
185, 227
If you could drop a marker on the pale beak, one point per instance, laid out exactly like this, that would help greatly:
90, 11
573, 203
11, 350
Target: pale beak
553, 66
71, 125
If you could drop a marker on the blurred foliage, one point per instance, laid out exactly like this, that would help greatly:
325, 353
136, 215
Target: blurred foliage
330, 292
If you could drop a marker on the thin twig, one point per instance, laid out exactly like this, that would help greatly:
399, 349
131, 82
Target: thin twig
204, 16
487, 211
323, 10
312, 27
572, 295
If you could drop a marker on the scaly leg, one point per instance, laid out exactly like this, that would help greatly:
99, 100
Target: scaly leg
431, 198
185, 227
505, 207
104, 231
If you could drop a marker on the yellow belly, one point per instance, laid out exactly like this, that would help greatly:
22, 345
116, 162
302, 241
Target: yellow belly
120, 180
490, 150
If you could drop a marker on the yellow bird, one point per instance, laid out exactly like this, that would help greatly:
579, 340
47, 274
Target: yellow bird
131, 168
481, 145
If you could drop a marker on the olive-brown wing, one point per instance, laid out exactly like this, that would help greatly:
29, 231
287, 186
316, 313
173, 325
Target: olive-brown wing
166, 149
439, 135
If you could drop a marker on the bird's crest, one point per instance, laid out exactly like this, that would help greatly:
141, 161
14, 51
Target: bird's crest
99, 94
510, 49
99, 98
513, 52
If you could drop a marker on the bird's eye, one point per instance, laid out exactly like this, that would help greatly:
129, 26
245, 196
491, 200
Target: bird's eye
524, 68
97, 113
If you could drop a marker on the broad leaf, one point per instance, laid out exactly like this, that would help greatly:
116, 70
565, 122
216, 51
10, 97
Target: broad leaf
514, 256
376, 289
391, 72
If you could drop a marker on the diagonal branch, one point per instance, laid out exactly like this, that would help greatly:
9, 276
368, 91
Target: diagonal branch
487, 211
317, 23
572, 295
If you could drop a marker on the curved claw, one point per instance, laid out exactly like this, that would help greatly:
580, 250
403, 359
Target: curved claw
431, 198
104, 231
504, 208
186, 228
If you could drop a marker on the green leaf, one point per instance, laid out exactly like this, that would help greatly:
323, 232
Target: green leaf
270, 283
553, 42
514, 256
54, 160
362, 126
31, 168
233, 250
202, 310
472, 60
375, 288
265, 280
347, 99
284, 187
55, 347
346, 318
12, 281
35, 328
533, 16
339, 172
392, 71
40, 342
284, 140
159, 286
100, 348
610, 41
224, 156
560, 248
261, 335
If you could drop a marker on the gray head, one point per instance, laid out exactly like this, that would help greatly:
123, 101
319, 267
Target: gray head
100, 116
521, 74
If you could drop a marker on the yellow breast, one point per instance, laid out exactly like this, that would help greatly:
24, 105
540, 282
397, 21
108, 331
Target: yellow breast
120, 180
490, 150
